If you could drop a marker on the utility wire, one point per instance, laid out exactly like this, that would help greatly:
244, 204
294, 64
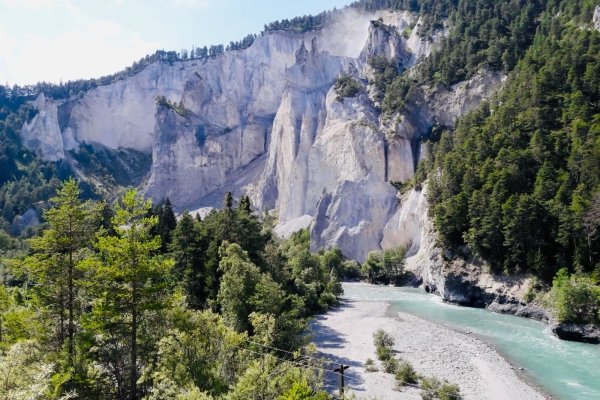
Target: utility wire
305, 366
298, 363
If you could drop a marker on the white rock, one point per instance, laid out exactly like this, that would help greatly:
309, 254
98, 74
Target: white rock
42, 133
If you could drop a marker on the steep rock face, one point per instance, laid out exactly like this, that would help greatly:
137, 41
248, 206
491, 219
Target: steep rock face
597, 18
265, 121
456, 281
191, 160
42, 133
234, 86
429, 106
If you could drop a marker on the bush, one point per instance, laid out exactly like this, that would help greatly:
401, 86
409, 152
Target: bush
576, 298
346, 86
383, 339
370, 366
384, 353
432, 388
405, 373
390, 366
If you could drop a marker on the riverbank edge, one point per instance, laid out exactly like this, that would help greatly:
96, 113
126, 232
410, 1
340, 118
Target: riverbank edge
337, 321
521, 372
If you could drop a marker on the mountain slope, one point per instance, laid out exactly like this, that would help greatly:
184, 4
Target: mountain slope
324, 118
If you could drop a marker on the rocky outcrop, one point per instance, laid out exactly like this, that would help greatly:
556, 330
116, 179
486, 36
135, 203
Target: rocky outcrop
521, 310
42, 133
576, 332
437, 271
265, 121
597, 18
29, 219
442, 106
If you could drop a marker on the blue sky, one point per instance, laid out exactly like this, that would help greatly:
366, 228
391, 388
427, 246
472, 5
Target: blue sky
50, 40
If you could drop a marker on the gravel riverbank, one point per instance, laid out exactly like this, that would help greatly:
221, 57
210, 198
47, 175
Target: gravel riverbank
345, 335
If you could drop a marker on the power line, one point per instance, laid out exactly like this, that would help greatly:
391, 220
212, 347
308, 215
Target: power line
305, 366
297, 363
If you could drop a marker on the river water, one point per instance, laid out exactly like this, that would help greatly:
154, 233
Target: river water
566, 370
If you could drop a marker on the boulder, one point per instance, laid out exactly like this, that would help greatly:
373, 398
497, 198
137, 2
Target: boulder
576, 332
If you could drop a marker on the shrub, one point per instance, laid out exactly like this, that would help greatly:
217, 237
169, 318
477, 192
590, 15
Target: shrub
448, 392
576, 298
390, 366
405, 373
432, 388
384, 353
383, 339
346, 86
370, 366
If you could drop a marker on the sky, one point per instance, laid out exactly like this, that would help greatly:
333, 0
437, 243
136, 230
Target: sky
54, 40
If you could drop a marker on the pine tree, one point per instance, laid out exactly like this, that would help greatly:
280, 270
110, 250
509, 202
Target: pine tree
167, 222
128, 278
188, 255
71, 228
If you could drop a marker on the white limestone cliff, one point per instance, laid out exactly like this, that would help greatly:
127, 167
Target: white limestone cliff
42, 133
597, 18
265, 121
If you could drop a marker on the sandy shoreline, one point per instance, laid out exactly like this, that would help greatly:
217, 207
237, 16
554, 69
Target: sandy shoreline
345, 335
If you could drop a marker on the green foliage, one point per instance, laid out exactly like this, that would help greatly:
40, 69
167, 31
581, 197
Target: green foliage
58, 252
115, 169
346, 86
382, 338
384, 353
576, 298
178, 108
384, 73
25, 375
432, 388
238, 284
389, 366
386, 266
128, 286
117, 313
405, 373
370, 366
24, 178
518, 178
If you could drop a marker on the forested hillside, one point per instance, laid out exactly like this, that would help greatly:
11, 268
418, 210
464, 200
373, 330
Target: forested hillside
518, 181
129, 303
200, 303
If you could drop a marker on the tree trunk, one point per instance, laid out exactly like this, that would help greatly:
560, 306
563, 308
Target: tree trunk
71, 317
134, 344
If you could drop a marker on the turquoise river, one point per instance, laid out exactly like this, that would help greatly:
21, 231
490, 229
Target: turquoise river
566, 370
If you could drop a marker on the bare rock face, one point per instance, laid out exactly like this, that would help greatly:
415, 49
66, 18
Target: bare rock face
42, 133
597, 18
193, 159
265, 121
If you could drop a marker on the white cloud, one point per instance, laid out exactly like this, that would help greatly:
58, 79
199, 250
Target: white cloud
102, 49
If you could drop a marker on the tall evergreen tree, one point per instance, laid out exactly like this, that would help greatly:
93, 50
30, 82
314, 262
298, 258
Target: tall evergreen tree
128, 279
72, 224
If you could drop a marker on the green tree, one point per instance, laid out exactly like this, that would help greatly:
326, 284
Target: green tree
128, 279
189, 258
53, 268
238, 284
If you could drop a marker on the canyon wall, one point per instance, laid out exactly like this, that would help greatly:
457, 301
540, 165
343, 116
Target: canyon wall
265, 121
